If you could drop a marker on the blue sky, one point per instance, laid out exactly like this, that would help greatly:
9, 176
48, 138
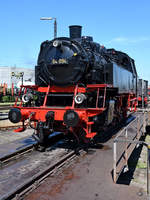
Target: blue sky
123, 25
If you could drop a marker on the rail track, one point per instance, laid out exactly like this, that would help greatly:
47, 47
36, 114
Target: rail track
33, 182
11, 165
5, 107
15, 155
5, 124
129, 121
3, 128
26, 186
3, 115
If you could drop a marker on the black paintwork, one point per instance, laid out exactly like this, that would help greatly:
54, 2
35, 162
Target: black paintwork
14, 115
142, 88
80, 60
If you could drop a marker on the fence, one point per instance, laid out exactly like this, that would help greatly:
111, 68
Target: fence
126, 141
4, 89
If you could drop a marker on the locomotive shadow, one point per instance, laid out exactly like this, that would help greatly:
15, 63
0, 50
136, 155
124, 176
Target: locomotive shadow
98, 142
105, 136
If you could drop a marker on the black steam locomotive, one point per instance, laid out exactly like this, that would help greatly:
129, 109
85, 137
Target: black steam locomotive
80, 87
68, 61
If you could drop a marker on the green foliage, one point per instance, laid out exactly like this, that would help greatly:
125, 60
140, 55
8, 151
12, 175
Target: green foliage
12, 98
141, 165
35, 97
8, 99
5, 99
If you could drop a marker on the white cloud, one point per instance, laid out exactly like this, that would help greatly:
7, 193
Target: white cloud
119, 39
125, 40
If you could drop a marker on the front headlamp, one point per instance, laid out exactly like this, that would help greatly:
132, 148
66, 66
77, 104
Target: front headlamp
27, 97
56, 43
79, 98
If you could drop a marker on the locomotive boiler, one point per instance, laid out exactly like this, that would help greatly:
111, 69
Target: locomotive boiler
80, 89
68, 61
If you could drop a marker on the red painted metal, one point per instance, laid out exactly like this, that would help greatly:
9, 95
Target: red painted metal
132, 102
19, 130
139, 99
104, 96
146, 100
4, 89
45, 100
12, 89
75, 93
97, 98
37, 114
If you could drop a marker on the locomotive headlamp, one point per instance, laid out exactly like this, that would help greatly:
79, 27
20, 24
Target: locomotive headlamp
14, 115
27, 97
71, 118
56, 43
79, 98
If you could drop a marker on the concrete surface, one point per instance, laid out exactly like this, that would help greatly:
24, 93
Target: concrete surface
89, 178
11, 141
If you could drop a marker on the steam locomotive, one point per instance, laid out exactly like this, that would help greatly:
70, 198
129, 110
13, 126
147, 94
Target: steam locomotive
80, 89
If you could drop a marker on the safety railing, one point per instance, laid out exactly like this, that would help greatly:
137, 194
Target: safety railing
124, 144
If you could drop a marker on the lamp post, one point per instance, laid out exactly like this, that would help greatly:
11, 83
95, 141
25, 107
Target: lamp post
55, 24
18, 75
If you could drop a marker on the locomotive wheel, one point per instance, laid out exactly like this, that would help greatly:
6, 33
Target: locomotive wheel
82, 136
41, 148
78, 140
84, 142
42, 141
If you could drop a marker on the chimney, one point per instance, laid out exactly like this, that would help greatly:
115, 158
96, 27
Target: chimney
75, 31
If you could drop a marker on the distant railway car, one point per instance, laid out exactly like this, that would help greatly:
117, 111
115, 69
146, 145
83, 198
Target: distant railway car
142, 93
81, 88
149, 92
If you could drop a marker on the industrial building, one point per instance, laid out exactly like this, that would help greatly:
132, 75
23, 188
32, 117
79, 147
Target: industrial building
10, 75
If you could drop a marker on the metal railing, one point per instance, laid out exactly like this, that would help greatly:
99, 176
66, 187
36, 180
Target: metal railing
128, 138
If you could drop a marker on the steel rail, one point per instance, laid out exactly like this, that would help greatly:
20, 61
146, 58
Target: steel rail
4, 118
37, 179
5, 107
15, 155
9, 127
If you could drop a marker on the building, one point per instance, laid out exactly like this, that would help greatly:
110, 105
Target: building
6, 75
